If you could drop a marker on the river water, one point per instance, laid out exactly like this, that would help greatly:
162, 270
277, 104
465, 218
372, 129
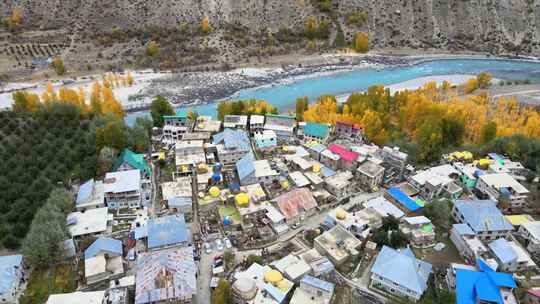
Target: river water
283, 95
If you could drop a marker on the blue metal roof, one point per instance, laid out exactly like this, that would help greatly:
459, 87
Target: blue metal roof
482, 215
318, 283
496, 157
463, 229
327, 172
8, 271
318, 148
403, 268
85, 192
233, 139
167, 230
483, 285
277, 294
103, 244
504, 252
316, 130
245, 166
180, 201
403, 199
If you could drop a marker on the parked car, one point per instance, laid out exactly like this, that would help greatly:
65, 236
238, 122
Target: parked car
228, 243
207, 248
219, 245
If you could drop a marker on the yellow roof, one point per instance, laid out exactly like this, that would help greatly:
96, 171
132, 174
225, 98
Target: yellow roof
520, 219
484, 162
273, 277
242, 199
316, 168
259, 192
214, 191
467, 155
285, 184
341, 214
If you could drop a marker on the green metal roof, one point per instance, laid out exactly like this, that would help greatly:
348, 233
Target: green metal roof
135, 160
316, 130
181, 113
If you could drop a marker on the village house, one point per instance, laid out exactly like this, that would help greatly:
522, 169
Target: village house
370, 175
296, 204
166, 276
395, 159
400, 273
358, 222
348, 130
313, 291
79, 297
319, 264
207, 124
312, 131
420, 231
384, 208
265, 139
175, 126
292, 267
11, 278
533, 296
283, 125
167, 231
504, 189
315, 149
256, 123
260, 284
103, 260
206, 137
299, 179
511, 256
123, 190
530, 232
90, 196
347, 158
469, 246
251, 171
232, 145
91, 222
235, 122
337, 244
437, 182
340, 185
130, 160
502, 164
189, 153
178, 195
483, 217
480, 284
330, 159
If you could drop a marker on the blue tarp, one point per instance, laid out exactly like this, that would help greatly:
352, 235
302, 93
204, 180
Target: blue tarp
85, 192
403, 199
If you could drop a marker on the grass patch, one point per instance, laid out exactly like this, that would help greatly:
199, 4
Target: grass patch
44, 282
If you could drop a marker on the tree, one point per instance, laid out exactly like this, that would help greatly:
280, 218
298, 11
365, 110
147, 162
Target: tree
206, 28
129, 79
152, 49
390, 223
25, 102
430, 139
107, 156
43, 243
453, 131
16, 17
398, 239
58, 66
361, 42
160, 107
489, 132
439, 212
229, 259
139, 135
310, 28
484, 80
222, 294
301, 107
324, 30
252, 258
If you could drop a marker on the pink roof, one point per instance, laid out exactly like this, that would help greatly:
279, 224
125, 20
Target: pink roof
347, 155
535, 292
295, 202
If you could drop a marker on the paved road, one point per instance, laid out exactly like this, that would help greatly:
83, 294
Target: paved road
204, 293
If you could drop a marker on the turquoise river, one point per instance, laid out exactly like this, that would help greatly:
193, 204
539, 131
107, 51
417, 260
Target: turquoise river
283, 95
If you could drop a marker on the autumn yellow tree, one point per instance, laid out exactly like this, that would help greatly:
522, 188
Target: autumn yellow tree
58, 66
129, 79
25, 102
361, 42
310, 28
110, 104
324, 110
152, 49
206, 28
16, 17
374, 128
96, 103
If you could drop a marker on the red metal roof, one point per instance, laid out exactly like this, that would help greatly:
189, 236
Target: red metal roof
295, 202
353, 125
343, 152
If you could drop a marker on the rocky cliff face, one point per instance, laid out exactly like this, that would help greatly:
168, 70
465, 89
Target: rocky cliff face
495, 26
